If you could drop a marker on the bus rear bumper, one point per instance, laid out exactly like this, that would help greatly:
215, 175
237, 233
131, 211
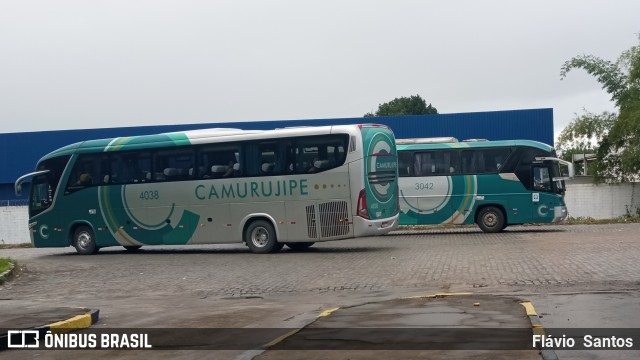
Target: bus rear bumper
559, 213
365, 227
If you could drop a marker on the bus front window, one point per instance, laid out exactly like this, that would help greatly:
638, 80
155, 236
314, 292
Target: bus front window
43, 187
41, 195
541, 179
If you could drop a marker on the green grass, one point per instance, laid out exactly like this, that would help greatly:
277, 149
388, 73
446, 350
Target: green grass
16, 246
5, 264
589, 221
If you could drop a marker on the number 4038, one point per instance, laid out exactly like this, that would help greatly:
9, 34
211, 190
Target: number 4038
150, 195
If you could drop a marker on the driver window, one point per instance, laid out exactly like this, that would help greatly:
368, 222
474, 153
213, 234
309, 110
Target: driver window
541, 179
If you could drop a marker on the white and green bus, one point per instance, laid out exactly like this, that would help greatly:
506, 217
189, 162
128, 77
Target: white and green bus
292, 186
490, 183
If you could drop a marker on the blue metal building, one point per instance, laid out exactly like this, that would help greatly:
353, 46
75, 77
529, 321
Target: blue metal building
19, 152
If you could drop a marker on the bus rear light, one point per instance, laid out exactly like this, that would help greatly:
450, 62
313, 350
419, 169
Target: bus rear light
362, 205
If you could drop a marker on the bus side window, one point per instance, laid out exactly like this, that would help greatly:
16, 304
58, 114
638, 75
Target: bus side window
142, 168
405, 163
86, 172
217, 161
424, 165
174, 165
494, 159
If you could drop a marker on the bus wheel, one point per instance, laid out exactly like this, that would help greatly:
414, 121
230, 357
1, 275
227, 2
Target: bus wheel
260, 237
491, 219
84, 241
299, 245
133, 248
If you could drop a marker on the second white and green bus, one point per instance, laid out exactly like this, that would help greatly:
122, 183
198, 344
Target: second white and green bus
491, 183
292, 186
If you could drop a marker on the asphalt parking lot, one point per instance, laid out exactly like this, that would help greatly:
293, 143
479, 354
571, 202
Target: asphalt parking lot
567, 271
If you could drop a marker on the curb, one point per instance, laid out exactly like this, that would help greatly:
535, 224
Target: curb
537, 328
4, 277
77, 322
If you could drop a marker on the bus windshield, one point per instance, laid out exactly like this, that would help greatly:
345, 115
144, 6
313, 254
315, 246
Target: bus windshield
43, 187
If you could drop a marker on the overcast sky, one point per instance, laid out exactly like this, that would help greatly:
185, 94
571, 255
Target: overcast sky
87, 64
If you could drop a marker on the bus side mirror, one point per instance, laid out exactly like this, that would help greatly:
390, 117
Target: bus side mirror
18, 185
572, 172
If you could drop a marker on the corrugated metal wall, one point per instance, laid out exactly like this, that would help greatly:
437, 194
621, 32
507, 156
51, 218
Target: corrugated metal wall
19, 152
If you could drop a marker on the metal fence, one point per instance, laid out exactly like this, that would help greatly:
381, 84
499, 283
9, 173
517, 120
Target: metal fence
15, 202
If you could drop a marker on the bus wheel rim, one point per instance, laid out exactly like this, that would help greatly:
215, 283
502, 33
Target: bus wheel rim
84, 239
260, 237
490, 219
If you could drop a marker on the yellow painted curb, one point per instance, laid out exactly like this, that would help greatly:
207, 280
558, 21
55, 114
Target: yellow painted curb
282, 337
327, 312
76, 322
528, 307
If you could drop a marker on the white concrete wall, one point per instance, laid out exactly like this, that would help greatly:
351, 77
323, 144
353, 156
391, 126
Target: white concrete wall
602, 201
13, 225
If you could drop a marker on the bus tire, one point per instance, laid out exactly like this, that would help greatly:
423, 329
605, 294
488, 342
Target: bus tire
133, 248
261, 238
85, 241
491, 219
299, 246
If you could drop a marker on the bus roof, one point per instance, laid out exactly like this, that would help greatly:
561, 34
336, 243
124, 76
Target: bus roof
471, 144
432, 140
195, 137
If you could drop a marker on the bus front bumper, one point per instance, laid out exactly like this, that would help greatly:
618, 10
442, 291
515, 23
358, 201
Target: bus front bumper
559, 213
365, 227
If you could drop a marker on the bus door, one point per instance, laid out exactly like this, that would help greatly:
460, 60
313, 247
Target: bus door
541, 188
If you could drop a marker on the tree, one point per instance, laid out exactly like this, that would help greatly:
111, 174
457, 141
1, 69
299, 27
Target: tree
618, 151
413, 105
583, 136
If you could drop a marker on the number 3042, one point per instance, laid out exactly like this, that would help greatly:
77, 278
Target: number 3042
424, 186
